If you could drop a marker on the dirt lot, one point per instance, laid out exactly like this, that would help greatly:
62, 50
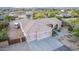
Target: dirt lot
70, 41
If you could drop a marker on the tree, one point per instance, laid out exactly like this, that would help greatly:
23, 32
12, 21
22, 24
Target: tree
9, 18
76, 32
75, 13
50, 13
3, 35
39, 15
74, 27
73, 22
3, 25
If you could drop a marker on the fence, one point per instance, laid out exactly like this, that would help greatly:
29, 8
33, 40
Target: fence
18, 40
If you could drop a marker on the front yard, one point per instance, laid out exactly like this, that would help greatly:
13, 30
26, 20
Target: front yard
69, 39
3, 31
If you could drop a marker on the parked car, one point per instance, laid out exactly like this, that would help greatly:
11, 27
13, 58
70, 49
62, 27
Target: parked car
17, 25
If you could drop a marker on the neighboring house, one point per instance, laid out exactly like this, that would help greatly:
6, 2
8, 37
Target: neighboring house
38, 29
29, 14
22, 16
64, 15
62, 10
12, 14
1, 18
19, 14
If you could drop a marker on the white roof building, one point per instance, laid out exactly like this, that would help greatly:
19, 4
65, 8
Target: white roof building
12, 14
19, 14
38, 29
29, 14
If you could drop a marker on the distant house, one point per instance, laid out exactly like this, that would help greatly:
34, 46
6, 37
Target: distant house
64, 15
19, 14
1, 18
29, 14
13, 14
62, 10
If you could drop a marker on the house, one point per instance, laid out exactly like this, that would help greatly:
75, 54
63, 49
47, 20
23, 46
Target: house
38, 29
64, 15
19, 14
12, 14
29, 14
62, 10
1, 18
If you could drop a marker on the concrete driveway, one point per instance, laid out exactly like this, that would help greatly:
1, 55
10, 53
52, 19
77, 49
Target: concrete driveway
13, 32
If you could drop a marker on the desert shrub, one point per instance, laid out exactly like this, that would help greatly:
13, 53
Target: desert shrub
39, 15
3, 31
70, 28
76, 32
50, 14
60, 18
3, 35
3, 25
9, 18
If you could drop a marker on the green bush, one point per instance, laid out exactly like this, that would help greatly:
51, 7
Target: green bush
50, 14
9, 18
3, 35
70, 28
39, 15
3, 25
76, 32
3, 31
60, 18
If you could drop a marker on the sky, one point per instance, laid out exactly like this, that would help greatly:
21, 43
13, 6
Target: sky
39, 3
